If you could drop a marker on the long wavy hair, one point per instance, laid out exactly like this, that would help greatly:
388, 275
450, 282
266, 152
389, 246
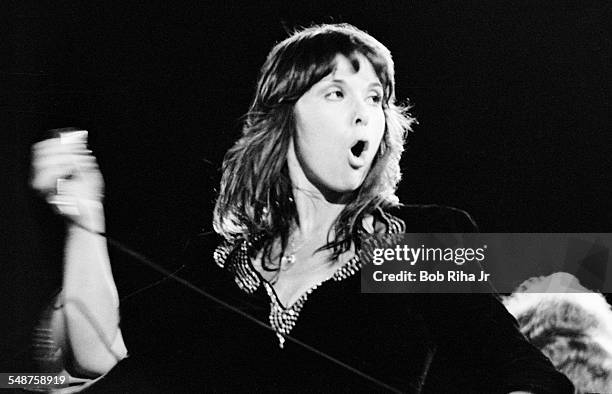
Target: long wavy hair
255, 196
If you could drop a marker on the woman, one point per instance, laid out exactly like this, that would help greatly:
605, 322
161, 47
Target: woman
314, 172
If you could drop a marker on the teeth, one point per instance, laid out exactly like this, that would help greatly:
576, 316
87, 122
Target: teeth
358, 148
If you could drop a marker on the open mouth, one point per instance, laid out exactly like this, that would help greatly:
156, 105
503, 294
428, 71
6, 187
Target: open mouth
359, 147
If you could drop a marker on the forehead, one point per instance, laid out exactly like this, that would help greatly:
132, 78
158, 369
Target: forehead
355, 66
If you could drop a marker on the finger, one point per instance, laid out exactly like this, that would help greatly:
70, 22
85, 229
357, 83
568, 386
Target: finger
66, 163
83, 159
57, 149
60, 167
60, 149
45, 143
59, 141
51, 144
50, 159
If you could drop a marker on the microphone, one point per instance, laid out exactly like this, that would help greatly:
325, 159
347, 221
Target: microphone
70, 135
61, 202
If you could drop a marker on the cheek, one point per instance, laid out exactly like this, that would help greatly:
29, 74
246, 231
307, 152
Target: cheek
319, 131
307, 138
310, 145
379, 131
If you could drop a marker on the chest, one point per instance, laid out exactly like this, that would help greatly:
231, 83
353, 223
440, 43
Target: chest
308, 271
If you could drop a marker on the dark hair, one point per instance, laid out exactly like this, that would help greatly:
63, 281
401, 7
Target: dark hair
256, 193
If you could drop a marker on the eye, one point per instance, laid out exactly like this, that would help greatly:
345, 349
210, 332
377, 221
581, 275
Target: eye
375, 98
335, 95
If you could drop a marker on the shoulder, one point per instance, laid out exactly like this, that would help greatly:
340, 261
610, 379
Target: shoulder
202, 244
476, 332
433, 218
198, 255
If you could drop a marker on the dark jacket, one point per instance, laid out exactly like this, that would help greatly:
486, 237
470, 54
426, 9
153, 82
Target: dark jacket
181, 341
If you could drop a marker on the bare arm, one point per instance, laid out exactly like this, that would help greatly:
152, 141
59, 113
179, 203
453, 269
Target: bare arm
89, 295
91, 304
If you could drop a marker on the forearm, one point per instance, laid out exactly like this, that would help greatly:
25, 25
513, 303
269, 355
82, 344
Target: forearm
91, 304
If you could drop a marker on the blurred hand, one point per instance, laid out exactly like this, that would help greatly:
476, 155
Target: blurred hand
66, 173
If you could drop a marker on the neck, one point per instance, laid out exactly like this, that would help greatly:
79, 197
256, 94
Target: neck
316, 214
317, 208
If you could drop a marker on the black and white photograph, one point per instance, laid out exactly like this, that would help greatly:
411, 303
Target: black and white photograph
224, 196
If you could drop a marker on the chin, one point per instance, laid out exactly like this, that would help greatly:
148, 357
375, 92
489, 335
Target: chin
347, 187
345, 184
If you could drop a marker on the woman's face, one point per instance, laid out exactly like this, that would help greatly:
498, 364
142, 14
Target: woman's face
339, 124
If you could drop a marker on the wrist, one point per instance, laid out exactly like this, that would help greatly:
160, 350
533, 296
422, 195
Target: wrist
89, 214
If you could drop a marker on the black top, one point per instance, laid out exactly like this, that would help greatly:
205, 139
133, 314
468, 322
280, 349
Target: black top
179, 341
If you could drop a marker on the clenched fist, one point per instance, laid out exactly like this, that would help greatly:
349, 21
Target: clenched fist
66, 173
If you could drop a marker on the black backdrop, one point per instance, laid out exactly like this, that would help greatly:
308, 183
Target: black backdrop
513, 100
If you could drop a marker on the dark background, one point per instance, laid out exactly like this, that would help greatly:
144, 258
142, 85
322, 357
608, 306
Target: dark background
513, 100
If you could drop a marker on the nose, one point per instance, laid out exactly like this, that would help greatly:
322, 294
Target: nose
360, 115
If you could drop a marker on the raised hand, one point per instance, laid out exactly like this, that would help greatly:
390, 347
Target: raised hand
66, 173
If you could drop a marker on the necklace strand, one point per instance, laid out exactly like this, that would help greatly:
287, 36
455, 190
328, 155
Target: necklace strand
288, 259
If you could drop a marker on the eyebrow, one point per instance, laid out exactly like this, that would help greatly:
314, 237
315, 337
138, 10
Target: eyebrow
375, 84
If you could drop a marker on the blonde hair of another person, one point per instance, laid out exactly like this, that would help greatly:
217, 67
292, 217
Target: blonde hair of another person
570, 324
